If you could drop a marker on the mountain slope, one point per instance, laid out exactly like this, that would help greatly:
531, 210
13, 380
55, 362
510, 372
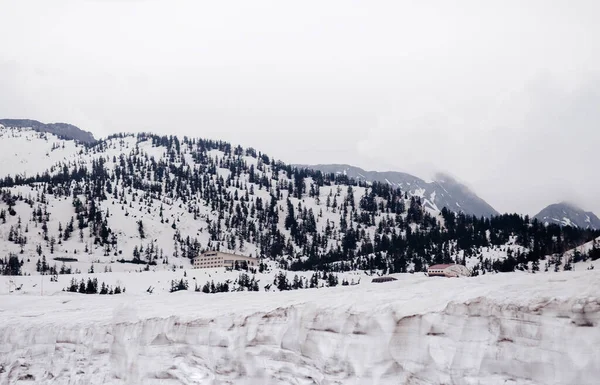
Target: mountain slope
131, 211
149, 202
444, 191
61, 130
584, 257
567, 214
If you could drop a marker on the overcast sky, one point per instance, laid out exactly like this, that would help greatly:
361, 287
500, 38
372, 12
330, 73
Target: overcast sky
504, 95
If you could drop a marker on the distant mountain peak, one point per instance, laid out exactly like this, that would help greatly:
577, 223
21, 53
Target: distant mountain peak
62, 130
443, 191
568, 214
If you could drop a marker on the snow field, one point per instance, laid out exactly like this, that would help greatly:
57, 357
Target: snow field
531, 329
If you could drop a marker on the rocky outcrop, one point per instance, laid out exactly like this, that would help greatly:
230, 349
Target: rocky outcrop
62, 130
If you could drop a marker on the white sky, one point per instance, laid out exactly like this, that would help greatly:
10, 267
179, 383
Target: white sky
504, 95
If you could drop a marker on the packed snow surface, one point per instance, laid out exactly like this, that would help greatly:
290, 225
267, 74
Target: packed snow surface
495, 329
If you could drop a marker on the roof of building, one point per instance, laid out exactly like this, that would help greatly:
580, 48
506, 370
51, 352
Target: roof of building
205, 254
441, 266
384, 279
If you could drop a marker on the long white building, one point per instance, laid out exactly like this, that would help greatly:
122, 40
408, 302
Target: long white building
448, 270
214, 259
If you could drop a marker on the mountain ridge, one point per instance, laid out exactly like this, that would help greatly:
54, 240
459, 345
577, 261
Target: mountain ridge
61, 130
443, 191
144, 201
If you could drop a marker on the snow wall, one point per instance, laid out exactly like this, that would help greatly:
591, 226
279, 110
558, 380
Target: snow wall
478, 342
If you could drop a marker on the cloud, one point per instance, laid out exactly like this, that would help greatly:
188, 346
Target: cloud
503, 96
523, 150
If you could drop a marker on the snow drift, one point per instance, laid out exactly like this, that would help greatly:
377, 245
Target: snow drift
517, 329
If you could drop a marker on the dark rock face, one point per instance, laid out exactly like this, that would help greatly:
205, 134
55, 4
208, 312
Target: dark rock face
566, 214
62, 130
444, 191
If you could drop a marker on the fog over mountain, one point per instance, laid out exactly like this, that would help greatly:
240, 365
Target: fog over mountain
130, 213
157, 225
443, 191
409, 86
567, 214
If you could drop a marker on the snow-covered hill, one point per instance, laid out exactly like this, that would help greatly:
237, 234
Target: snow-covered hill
41, 217
527, 330
444, 191
584, 257
134, 202
27, 153
127, 213
567, 214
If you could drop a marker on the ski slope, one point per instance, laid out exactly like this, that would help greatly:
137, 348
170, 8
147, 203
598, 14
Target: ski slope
529, 329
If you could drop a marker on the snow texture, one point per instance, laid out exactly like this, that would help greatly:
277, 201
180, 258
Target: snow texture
529, 329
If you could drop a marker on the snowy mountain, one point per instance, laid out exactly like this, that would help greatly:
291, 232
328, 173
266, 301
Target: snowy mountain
97, 285
61, 130
444, 191
567, 214
147, 202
